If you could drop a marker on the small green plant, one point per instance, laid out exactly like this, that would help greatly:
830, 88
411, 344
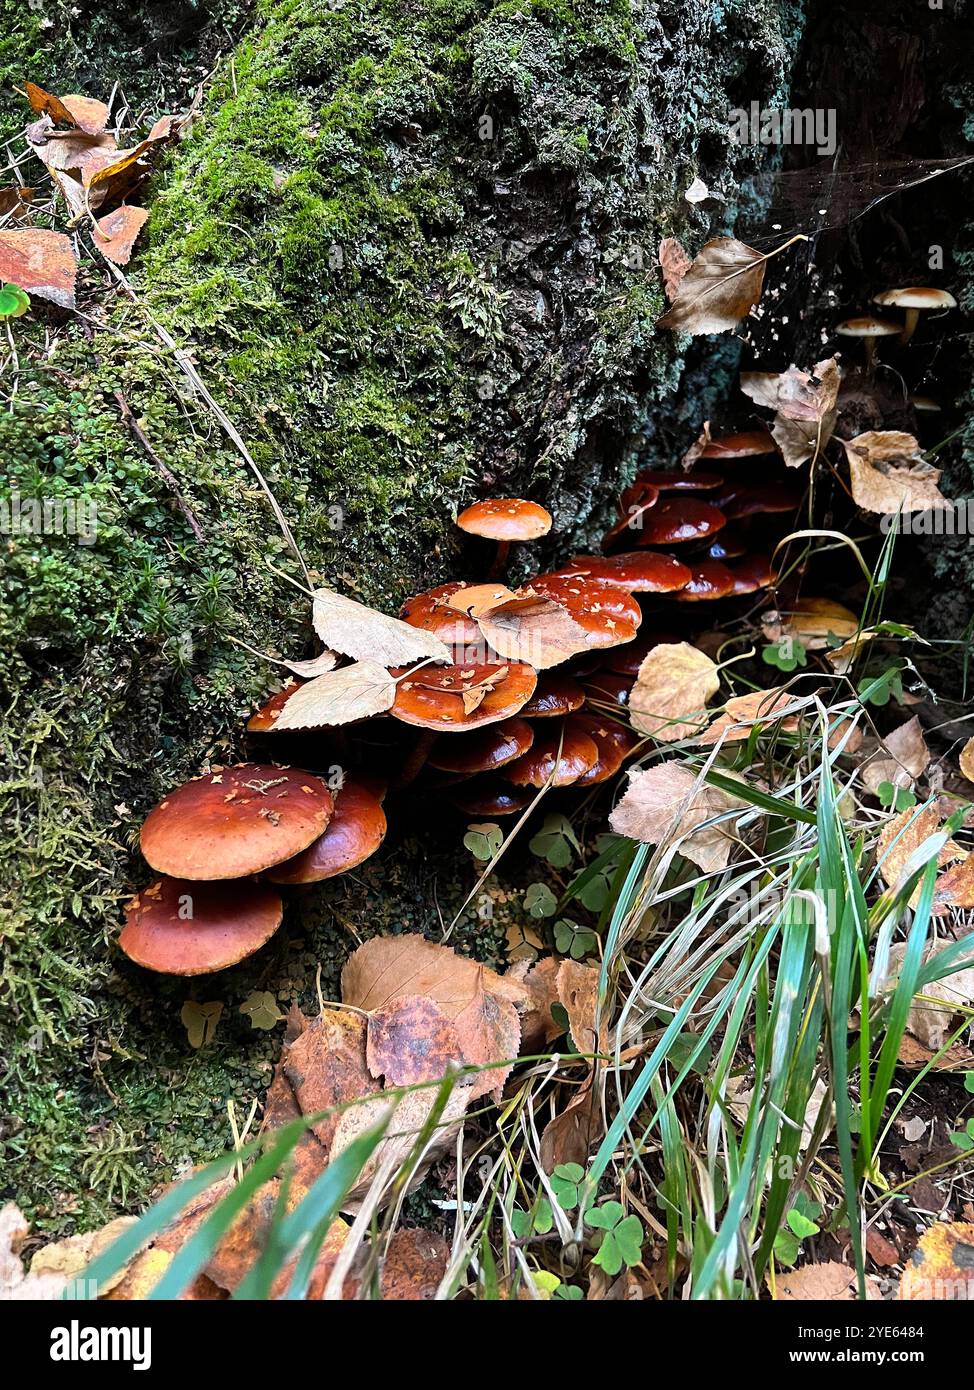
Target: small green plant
573, 940
14, 302
539, 900
538, 1221
555, 842
566, 1181
620, 1237
879, 686
786, 655
800, 1223
483, 840
893, 798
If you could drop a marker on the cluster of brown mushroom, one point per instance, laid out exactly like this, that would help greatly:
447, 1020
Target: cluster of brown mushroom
496, 723
914, 300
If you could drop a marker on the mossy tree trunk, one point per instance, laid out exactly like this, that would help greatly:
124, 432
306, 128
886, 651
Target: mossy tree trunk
411, 251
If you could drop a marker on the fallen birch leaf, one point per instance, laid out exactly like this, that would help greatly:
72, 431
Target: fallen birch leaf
674, 263
810, 621
757, 707
805, 405
889, 474
829, 1281
904, 757
912, 1053
115, 233
361, 632
902, 836
406, 1121
474, 599
315, 666
578, 994
534, 630
83, 113
410, 1041
568, 1137
40, 262
663, 805
722, 285
538, 1025
339, 697
674, 682
967, 760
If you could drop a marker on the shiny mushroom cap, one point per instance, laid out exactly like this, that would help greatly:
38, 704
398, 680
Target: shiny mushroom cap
505, 519
709, 579
486, 796
483, 750
557, 758
677, 480
609, 615
638, 571
675, 520
915, 297
746, 444
554, 694
751, 573
867, 327
614, 741
453, 698
433, 612
264, 718
355, 831
186, 927
236, 821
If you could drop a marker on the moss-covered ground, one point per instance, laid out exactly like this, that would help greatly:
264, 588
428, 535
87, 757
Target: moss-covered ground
410, 247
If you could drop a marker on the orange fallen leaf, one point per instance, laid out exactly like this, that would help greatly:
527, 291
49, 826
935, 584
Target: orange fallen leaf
742, 712
115, 233
83, 113
942, 1266
410, 1041
41, 262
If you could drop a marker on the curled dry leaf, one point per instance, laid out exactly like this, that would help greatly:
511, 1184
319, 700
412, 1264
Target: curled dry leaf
568, 1137
482, 1005
939, 1002
15, 1283
79, 112
40, 262
903, 758
538, 1025
339, 697
674, 683
361, 632
534, 630
674, 263
810, 621
578, 994
742, 712
805, 406
314, 666
474, 599
697, 448
889, 474
115, 233
722, 285
663, 805
967, 760
941, 1265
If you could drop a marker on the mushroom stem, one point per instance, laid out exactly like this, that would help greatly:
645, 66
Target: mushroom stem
416, 759
909, 325
869, 345
499, 566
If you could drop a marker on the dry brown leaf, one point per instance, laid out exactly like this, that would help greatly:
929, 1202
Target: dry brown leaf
810, 621
941, 1266
538, 1025
535, 630
889, 474
721, 287
324, 1067
415, 1262
15, 201
69, 1258
474, 599
405, 1123
664, 806
937, 1004
578, 994
83, 113
361, 632
339, 697
410, 1041
40, 262
674, 263
913, 1054
568, 1137
697, 447
829, 1281
902, 835
955, 887
115, 233
70, 153
482, 1005
674, 683
903, 758
315, 666
805, 406
758, 707
967, 760
15, 1283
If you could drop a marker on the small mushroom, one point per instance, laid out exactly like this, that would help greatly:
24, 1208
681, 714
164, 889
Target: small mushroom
355, 831
675, 480
868, 329
675, 520
709, 579
639, 571
916, 300
613, 740
187, 927
235, 821
484, 750
555, 759
554, 694
504, 520
486, 796
609, 615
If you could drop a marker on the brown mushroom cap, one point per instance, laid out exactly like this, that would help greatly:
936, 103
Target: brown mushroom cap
613, 740
236, 821
639, 571
484, 750
188, 927
355, 831
747, 444
739, 500
676, 480
751, 573
609, 688
562, 755
916, 297
264, 718
432, 697
729, 545
486, 796
675, 520
867, 327
432, 612
710, 579
554, 694
505, 519
634, 502
626, 661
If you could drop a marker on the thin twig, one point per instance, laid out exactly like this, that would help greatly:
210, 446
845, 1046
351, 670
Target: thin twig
169, 478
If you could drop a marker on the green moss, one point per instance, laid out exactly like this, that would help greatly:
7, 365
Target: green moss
411, 250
